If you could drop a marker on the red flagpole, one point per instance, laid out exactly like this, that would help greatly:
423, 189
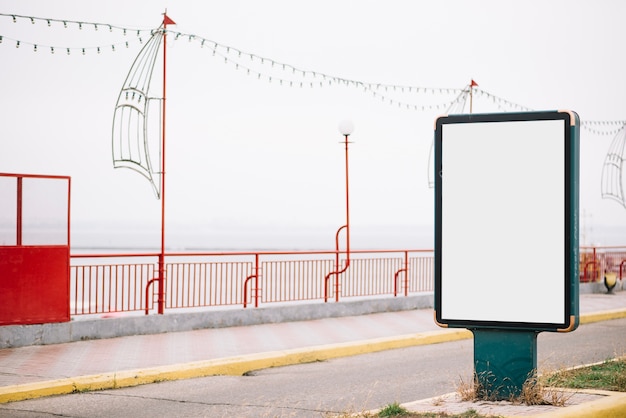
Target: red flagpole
161, 295
472, 85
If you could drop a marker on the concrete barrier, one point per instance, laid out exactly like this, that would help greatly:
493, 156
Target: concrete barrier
119, 326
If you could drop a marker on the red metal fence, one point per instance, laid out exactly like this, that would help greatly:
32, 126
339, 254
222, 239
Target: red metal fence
103, 283
110, 283
595, 261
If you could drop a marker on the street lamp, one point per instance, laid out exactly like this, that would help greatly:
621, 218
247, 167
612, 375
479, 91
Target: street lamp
346, 127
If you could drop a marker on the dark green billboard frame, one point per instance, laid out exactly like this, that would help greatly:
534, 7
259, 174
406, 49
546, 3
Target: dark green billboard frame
477, 157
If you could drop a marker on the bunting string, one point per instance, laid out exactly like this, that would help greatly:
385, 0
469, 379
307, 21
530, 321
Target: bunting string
36, 47
603, 127
139, 35
75, 23
416, 98
284, 74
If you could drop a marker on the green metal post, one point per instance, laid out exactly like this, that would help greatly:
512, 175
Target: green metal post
503, 361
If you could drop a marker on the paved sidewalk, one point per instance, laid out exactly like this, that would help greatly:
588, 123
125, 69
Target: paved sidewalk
34, 371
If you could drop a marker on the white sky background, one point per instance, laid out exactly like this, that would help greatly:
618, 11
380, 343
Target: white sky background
248, 155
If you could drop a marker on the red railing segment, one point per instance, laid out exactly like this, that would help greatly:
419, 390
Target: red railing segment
200, 280
209, 279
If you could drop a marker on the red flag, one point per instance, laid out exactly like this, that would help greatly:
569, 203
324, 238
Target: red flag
473, 83
167, 20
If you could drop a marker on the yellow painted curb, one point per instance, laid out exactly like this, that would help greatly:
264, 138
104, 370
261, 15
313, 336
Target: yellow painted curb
239, 365
602, 316
236, 366
35, 390
613, 405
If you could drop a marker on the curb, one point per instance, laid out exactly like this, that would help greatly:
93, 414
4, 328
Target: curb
602, 316
239, 365
234, 366
613, 405
610, 405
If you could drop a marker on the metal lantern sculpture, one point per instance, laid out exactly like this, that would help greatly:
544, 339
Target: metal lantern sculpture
132, 136
612, 169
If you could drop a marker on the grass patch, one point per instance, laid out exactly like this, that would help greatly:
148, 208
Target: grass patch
609, 375
392, 410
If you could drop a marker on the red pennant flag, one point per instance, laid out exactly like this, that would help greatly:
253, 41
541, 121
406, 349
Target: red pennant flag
167, 20
473, 83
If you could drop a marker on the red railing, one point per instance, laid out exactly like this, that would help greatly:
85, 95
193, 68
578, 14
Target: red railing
107, 283
595, 261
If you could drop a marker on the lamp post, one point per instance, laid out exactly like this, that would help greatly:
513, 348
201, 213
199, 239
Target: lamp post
345, 128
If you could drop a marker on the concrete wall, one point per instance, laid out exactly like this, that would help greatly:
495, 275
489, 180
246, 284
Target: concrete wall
598, 287
89, 329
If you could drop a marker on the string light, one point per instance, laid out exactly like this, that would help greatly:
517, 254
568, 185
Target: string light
378, 90
49, 22
84, 50
611, 127
65, 22
229, 58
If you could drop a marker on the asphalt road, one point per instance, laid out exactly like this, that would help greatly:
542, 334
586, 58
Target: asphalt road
319, 389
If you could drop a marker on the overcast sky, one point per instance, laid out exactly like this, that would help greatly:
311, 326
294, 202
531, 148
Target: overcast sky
242, 150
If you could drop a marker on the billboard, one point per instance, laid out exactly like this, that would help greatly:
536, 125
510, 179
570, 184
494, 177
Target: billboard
506, 220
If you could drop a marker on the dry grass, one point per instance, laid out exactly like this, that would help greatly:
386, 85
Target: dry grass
534, 392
